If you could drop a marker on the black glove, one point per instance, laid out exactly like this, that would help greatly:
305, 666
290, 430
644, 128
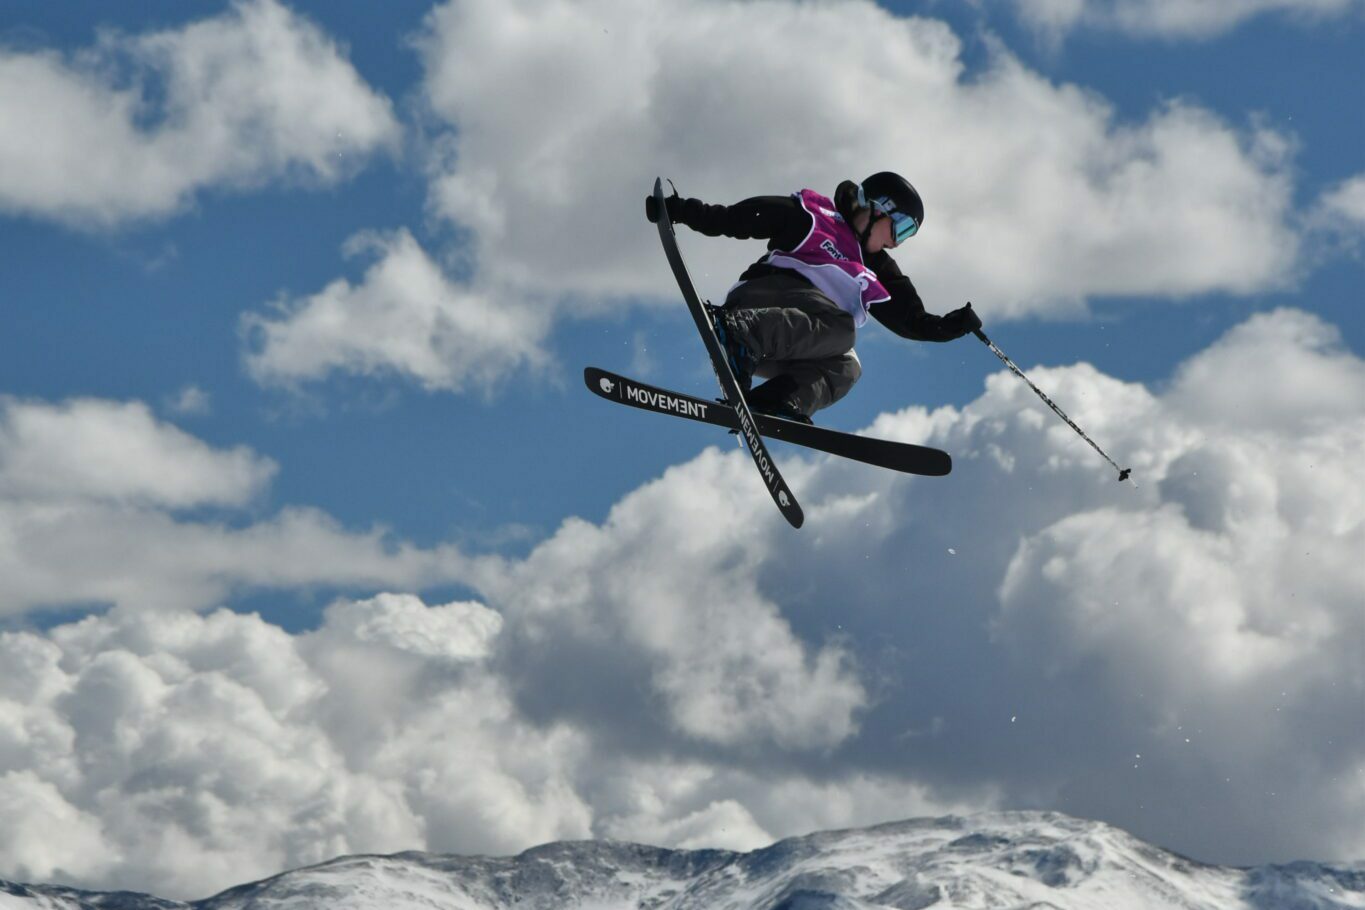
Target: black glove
674, 204
961, 321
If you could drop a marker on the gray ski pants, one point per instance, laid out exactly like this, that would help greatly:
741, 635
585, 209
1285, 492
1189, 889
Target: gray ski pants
803, 342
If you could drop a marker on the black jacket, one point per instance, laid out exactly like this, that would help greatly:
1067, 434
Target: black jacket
784, 224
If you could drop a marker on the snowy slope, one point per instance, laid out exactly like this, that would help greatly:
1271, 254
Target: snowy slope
1016, 860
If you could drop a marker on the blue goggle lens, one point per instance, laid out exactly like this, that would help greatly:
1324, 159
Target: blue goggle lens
903, 227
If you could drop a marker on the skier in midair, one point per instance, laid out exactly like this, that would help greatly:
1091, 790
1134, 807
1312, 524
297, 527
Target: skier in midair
793, 316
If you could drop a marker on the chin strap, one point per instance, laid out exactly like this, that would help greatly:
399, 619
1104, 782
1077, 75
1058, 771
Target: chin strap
872, 216
861, 202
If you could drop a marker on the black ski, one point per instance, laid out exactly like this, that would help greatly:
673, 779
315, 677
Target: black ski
898, 456
729, 386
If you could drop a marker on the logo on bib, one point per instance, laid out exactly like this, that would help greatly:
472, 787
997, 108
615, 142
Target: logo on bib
829, 247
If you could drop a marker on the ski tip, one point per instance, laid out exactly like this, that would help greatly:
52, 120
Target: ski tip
602, 383
933, 463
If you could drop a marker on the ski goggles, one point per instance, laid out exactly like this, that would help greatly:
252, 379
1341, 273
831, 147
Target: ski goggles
903, 227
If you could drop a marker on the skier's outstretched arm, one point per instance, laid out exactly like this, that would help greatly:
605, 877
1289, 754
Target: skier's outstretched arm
904, 313
774, 218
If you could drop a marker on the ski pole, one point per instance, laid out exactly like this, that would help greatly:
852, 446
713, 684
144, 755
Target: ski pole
1123, 472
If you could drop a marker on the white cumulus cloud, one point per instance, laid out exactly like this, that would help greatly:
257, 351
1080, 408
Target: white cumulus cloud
94, 508
137, 125
1340, 212
718, 657
1172, 19
184, 753
90, 449
1037, 194
44, 836
406, 316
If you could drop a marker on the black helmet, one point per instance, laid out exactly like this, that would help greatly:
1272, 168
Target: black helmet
892, 195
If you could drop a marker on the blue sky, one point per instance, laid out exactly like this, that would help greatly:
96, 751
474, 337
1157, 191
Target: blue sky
296, 302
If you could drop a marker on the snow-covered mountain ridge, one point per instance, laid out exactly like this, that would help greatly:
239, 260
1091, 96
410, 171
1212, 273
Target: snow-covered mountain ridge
1014, 860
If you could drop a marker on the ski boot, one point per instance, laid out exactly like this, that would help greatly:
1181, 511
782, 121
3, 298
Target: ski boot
742, 361
774, 398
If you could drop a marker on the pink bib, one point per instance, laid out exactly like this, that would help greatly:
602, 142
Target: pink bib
831, 258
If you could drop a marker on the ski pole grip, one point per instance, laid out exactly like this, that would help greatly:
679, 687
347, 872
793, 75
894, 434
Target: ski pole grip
977, 332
